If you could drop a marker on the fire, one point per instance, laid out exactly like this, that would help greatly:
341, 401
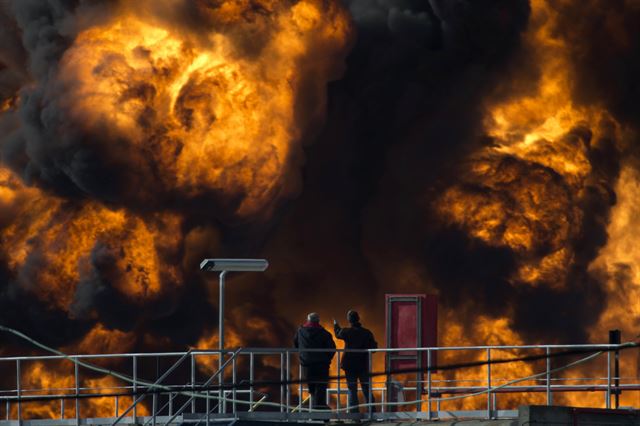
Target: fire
68, 242
207, 118
151, 132
524, 192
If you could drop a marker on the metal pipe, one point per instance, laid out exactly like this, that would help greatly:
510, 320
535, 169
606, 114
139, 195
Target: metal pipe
193, 382
221, 395
338, 398
221, 313
251, 378
428, 384
116, 406
135, 387
370, 379
300, 382
234, 381
489, 384
208, 404
18, 392
288, 376
549, 396
77, 380
608, 401
281, 381
154, 407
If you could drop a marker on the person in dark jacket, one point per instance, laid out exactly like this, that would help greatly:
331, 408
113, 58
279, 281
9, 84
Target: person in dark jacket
315, 365
356, 364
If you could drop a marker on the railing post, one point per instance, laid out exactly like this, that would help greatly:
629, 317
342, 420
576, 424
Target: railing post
193, 382
608, 394
171, 403
428, 384
288, 377
281, 382
77, 381
18, 390
338, 385
154, 407
208, 405
234, 379
251, 376
370, 380
300, 397
419, 379
116, 406
549, 397
488, 384
135, 388
221, 394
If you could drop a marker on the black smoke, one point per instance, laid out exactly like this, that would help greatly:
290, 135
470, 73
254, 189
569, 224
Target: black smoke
406, 113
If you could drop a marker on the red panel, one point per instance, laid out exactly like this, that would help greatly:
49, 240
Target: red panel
403, 314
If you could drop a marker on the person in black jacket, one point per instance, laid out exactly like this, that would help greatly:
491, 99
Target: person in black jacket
315, 365
356, 364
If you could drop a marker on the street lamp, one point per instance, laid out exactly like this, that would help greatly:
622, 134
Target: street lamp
229, 265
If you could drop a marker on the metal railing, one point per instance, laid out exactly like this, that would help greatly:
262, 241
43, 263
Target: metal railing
266, 383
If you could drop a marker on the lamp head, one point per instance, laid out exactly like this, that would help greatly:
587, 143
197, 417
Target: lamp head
234, 265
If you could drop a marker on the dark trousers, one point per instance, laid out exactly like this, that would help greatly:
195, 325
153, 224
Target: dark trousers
317, 378
353, 375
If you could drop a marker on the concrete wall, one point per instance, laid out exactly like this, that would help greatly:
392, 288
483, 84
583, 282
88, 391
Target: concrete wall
545, 415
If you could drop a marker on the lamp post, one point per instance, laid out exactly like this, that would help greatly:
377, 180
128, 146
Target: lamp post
229, 265
223, 266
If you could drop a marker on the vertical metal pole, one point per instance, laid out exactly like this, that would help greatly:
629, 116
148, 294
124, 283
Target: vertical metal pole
608, 401
193, 382
77, 380
428, 384
281, 381
208, 404
135, 387
234, 378
18, 389
171, 404
615, 339
370, 380
300, 397
251, 376
62, 408
116, 405
221, 393
616, 374
154, 407
488, 383
8, 409
548, 353
420, 341
288, 376
338, 399
221, 311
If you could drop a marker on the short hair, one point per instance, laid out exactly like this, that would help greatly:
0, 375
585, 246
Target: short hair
313, 317
353, 317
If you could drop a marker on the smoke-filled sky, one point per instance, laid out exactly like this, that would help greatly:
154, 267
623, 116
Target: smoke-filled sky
481, 150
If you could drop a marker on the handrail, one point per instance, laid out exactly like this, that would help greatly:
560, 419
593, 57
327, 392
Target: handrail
275, 351
489, 385
216, 374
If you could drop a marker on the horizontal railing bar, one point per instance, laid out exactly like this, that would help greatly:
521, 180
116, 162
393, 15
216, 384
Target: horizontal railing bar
276, 351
